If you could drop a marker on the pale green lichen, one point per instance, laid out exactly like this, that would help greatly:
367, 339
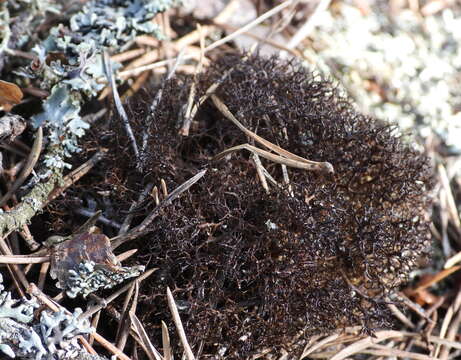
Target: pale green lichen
88, 277
52, 336
70, 63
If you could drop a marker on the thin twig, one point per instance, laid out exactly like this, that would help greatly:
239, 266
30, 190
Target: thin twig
109, 346
76, 174
141, 229
413, 306
86, 345
89, 213
399, 315
42, 276
94, 324
128, 55
28, 238
309, 25
124, 325
23, 259
18, 276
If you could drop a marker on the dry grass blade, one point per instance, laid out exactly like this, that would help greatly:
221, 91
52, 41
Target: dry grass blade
260, 172
167, 352
294, 160
119, 106
195, 35
179, 327
452, 209
452, 309
318, 345
250, 25
369, 341
124, 325
382, 350
127, 254
444, 214
267, 155
152, 352
260, 39
452, 261
452, 332
242, 30
188, 113
28, 166
413, 306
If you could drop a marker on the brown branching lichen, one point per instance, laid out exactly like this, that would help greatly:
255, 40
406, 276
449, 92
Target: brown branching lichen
250, 268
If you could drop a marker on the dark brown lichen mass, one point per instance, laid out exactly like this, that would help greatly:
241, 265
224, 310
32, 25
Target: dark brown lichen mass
250, 269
